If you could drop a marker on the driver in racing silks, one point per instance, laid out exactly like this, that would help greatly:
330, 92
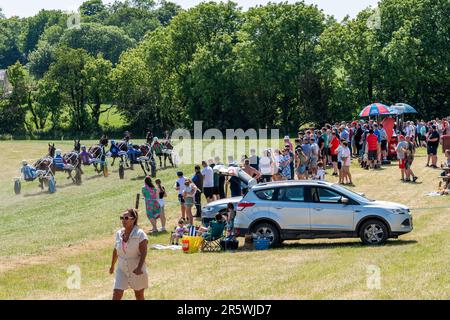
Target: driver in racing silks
103, 141
30, 173
149, 136
59, 161
127, 137
114, 149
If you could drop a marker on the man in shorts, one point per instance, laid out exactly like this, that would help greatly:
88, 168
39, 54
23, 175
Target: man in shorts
208, 181
372, 148
432, 146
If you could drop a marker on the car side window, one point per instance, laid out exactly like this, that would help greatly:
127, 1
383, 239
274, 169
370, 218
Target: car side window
267, 194
296, 193
325, 195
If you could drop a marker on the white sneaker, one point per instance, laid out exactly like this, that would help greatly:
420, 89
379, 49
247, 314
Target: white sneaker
162, 229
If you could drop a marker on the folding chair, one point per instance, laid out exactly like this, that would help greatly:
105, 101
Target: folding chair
213, 236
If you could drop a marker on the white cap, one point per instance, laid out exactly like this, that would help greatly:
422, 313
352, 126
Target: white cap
286, 137
24, 162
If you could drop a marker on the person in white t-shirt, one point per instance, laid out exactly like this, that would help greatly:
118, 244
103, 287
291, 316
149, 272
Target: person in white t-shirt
266, 166
208, 181
346, 158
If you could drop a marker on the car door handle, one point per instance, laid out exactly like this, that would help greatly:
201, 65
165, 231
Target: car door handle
318, 209
358, 210
279, 208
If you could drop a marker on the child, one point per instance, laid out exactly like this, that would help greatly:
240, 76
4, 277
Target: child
320, 175
230, 214
179, 232
447, 155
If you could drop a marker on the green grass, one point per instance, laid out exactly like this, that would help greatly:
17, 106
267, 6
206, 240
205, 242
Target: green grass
43, 234
111, 118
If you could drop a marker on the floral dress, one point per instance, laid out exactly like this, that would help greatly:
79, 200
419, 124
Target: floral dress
152, 206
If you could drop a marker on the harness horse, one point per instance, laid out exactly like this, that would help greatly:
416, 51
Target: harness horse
163, 149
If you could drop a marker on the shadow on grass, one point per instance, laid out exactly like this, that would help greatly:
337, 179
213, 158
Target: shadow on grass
302, 245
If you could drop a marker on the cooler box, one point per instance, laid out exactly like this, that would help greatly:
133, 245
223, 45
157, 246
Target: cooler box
191, 244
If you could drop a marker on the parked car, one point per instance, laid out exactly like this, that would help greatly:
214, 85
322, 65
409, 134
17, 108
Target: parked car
289, 210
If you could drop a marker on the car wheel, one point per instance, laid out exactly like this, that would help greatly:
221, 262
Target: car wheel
269, 231
373, 232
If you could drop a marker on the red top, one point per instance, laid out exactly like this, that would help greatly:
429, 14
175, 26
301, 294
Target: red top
372, 142
334, 145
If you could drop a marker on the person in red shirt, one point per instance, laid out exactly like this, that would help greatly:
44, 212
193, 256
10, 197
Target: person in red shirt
372, 147
334, 145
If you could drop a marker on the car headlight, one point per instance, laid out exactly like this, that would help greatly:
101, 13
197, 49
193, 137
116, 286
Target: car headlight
398, 211
207, 209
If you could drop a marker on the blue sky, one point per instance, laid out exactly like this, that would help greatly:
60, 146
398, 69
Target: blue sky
25, 8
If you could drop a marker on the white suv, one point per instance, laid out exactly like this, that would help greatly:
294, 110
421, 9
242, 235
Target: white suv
289, 210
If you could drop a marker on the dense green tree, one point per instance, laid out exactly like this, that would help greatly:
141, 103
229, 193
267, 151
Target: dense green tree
99, 85
10, 43
98, 39
36, 25
68, 72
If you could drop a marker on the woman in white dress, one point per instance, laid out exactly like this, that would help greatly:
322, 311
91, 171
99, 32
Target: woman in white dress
130, 252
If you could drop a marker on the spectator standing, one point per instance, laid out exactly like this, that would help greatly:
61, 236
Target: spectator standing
334, 145
130, 251
266, 166
372, 148
401, 149
197, 179
409, 158
179, 186
285, 161
254, 159
432, 146
346, 160
162, 194
222, 180
151, 198
384, 142
208, 181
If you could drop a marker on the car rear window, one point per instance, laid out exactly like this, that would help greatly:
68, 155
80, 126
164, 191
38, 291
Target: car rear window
266, 194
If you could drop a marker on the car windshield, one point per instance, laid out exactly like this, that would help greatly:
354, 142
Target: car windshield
355, 196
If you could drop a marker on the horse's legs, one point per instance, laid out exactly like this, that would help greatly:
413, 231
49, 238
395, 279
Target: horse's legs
112, 163
70, 176
143, 169
41, 183
160, 161
165, 160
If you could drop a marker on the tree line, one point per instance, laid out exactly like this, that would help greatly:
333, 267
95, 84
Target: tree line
273, 66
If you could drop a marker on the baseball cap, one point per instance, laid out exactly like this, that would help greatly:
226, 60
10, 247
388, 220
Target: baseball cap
179, 173
401, 136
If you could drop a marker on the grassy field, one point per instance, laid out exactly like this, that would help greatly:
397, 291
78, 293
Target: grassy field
43, 235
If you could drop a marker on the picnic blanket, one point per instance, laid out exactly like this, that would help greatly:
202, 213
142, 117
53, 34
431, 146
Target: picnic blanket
436, 194
162, 247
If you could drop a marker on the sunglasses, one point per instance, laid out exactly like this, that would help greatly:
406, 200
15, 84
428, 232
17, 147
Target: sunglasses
126, 218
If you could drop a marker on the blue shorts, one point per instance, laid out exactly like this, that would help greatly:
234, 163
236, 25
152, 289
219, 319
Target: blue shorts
301, 169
